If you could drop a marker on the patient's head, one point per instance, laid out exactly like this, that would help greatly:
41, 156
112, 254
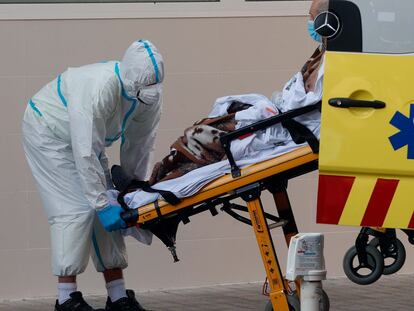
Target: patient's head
317, 7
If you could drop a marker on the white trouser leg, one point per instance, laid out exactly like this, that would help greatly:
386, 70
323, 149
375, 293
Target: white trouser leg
108, 248
69, 214
71, 238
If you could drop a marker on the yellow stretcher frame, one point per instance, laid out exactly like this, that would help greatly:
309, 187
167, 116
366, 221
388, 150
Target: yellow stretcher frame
271, 175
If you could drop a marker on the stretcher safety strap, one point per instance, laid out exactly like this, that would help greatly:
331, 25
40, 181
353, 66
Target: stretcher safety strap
300, 134
168, 196
157, 209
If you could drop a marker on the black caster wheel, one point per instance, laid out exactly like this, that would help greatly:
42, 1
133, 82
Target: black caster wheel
324, 303
293, 301
394, 257
363, 274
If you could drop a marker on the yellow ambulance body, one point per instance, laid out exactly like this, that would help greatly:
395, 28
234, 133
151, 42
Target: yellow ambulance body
366, 160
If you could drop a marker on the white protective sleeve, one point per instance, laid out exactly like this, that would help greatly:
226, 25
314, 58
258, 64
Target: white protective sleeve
105, 165
88, 129
138, 145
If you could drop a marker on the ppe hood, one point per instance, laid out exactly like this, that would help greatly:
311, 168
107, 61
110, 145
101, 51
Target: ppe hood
141, 66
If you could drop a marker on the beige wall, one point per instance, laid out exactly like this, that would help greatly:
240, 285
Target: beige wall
205, 58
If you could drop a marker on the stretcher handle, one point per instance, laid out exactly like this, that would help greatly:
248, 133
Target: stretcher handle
355, 103
130, 217
258, 126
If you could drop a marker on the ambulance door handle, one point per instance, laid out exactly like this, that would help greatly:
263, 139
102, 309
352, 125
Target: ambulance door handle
355, 103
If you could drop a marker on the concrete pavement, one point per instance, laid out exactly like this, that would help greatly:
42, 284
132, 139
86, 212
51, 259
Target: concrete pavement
389, 293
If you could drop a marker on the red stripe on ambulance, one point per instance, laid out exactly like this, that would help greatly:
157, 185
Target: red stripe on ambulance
379, 202
333, 194
411, 225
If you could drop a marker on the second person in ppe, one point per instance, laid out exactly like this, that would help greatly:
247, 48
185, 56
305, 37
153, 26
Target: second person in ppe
66, 128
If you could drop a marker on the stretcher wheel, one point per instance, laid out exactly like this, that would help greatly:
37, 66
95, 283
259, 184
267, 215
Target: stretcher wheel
293, 301
363, 274
324, 303
394, 257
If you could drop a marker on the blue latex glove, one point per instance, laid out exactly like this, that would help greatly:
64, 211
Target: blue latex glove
110, 218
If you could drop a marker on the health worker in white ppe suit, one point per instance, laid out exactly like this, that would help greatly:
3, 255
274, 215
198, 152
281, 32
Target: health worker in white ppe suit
66, 128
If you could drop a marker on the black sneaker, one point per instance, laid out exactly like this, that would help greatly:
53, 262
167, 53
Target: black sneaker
75, 303
125, 304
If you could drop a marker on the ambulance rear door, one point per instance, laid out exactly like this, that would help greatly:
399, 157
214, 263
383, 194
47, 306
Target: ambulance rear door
366, 160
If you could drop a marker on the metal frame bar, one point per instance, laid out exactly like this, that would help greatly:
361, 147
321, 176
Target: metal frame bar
278, 290
261, 125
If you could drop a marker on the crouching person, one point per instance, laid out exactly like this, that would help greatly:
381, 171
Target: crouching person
66, 128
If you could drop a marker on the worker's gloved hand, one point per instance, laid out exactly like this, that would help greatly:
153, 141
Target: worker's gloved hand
110, 218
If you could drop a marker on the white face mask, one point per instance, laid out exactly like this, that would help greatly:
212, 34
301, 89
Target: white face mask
150, 95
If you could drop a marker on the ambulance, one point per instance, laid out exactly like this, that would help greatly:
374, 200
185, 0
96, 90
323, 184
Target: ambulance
366, 160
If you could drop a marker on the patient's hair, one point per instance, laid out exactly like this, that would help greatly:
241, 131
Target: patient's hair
322, 5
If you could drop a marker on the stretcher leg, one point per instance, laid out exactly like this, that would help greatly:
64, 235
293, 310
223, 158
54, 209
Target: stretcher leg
278, 293
285, 212
284, 208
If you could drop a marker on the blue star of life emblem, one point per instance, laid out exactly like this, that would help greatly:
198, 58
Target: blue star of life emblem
405, 137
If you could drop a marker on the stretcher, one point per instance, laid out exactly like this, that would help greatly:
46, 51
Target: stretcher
248, 183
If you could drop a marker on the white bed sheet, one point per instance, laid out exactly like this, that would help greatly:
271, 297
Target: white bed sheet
190, 183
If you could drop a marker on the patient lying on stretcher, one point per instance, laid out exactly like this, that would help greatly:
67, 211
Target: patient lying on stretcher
200, 145
197, 157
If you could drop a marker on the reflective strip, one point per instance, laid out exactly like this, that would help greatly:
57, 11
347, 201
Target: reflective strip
124, 93
131, 109
62, 98
380, 201
97, 251
154, 62
332, 197
111, 140
33, 106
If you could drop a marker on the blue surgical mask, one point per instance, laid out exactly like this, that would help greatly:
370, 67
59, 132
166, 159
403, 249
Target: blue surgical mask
313, 34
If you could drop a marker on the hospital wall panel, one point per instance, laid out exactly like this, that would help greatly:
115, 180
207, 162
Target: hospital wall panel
44, 48
13, 49
202, 262
205, 58
14, 270
263, 44
14, 221
33, 83
262, 82
220, 226
13, 103
13, 165
192, 44
188, 101
39, 280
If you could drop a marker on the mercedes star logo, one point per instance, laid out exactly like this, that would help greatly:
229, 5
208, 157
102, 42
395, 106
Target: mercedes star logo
327, 24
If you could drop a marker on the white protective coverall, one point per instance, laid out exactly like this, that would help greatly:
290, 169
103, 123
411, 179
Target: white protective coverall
67, 126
